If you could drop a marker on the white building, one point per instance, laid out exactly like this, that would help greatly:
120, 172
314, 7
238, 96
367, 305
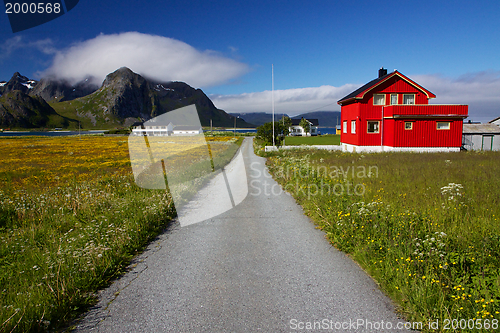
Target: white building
187, 130
481, 137
170, 129
495, 121
297, 130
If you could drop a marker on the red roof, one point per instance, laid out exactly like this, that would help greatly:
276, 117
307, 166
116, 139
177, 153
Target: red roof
362, 91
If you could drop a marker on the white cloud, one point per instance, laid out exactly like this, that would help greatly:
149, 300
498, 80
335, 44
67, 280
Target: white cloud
155, 57
17, 43
479, 90
290, 101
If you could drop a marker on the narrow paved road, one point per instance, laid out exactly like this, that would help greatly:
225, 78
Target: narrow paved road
261, 266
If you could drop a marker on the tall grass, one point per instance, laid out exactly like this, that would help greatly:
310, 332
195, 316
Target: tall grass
329, 139
71, 218
426, 226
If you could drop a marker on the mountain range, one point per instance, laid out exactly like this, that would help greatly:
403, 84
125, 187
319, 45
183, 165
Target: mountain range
123, 99
325, 118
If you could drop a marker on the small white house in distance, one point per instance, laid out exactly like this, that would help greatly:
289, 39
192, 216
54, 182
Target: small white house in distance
297, 130
495, 121
481, 137
170, 129
187, 130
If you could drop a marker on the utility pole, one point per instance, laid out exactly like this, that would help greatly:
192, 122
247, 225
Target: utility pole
234, 133
272, 96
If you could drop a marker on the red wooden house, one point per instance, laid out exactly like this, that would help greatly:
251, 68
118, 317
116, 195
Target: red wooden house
392, 113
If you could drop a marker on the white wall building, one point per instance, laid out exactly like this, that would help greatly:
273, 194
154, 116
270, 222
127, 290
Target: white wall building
495, 121
297, 130
481, 137
168, 130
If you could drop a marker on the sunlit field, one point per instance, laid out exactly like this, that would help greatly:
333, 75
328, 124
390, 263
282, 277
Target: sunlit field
329, 139
425, 226
71, 218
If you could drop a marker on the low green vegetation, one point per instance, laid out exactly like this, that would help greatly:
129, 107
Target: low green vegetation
273, 134
71, 218
425, 226
329, 139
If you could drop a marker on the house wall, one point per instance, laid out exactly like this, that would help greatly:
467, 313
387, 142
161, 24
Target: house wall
377, 149
424, 133
363, 111
348, 113
396, 85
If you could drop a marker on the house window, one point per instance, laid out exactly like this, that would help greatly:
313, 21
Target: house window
378, 99
443, 125
344, 126
373, 127
408, 99
408, 125
394, 99
353, 126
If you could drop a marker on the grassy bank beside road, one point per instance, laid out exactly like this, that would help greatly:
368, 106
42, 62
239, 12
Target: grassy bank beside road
71, 218
329, 139
425, 226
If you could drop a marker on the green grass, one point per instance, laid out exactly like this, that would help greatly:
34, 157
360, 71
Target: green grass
425, 226
90, 111
330, 139
59, 246
71, 225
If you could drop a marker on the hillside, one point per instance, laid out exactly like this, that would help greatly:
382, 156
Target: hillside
123, 99
19, 110
325, 118
258, 118
126, 97
53, 90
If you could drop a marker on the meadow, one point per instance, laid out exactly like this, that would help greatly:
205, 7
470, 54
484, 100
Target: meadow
329, 139
426, 227
71, 219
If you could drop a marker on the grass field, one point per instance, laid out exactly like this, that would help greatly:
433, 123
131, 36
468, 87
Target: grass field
71, 218
425, 226
330, 139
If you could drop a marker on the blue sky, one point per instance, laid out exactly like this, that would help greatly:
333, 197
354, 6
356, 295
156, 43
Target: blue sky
321, 50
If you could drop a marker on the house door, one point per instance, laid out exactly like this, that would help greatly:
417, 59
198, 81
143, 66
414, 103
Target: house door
487, 142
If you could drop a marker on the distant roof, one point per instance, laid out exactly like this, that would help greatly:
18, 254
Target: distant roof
296, 122
187, 128
491, 121
360, 92
481, 129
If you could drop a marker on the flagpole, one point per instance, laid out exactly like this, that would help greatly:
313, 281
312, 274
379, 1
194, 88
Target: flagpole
272, 96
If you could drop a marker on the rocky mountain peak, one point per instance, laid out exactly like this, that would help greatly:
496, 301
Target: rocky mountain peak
18, 82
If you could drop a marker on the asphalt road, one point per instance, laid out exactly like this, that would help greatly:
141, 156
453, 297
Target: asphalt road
259, 267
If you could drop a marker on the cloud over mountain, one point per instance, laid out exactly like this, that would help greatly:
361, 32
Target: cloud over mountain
290, 101
479, 90
155, 57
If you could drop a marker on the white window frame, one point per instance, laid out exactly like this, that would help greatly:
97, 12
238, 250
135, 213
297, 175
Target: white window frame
447, 125
411, 125
394, 95
379, 95
368, 126
344, 126
353, 126
404, 99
